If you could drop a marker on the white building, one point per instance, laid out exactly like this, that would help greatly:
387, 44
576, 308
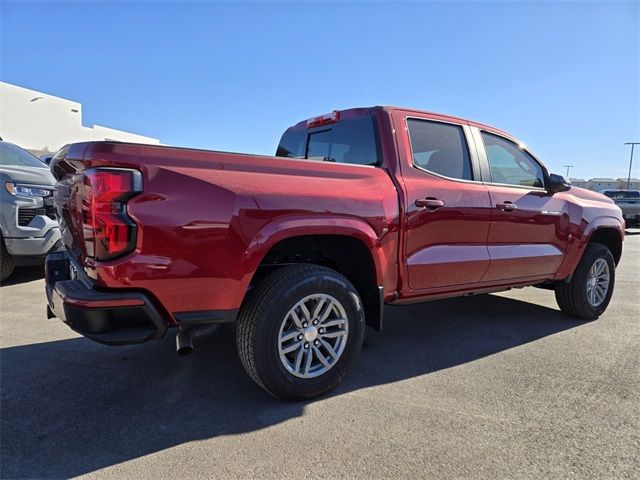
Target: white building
44, 123
579, 182
597, 184
632, 183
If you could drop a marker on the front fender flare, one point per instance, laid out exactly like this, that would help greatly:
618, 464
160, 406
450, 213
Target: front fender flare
581, 237
603, 222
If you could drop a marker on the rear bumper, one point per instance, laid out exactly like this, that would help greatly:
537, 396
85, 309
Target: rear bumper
112, 318
631, 217
630, 212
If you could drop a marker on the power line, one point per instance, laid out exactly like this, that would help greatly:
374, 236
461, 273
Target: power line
568, 167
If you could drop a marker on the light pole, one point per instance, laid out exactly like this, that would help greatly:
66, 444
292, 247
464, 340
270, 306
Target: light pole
568, 167
633, 144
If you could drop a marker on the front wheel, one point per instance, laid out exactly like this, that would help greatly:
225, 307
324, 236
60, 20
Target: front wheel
588, 293
301, 331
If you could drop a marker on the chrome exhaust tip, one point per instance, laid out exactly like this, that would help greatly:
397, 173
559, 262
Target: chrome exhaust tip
184, 342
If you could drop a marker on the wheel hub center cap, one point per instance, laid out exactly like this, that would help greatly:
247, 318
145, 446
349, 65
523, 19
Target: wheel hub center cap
310, 333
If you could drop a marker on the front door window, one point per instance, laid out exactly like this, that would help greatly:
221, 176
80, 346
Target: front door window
510, 165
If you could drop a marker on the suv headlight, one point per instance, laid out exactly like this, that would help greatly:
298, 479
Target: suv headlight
26, 190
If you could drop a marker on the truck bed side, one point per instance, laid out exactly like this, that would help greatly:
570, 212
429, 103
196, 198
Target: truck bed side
206, 220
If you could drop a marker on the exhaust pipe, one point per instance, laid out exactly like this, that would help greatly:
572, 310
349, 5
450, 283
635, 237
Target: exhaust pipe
184, 342
186, 334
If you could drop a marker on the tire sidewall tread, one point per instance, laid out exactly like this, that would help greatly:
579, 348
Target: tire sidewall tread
260, 320
572, 296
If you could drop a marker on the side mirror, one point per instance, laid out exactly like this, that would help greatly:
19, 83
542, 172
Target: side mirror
557, 183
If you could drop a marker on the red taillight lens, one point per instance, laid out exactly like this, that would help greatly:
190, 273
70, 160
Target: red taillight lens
107, 229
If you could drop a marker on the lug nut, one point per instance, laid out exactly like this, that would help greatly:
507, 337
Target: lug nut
306, 345
305, 324
316, 343
300, 337
315, 322
321, 330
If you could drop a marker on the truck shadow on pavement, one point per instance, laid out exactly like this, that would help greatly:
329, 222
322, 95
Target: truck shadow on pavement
72, 407
24, 275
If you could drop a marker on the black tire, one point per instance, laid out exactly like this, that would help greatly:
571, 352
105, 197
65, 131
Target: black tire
261, 317
6, 262
572, 296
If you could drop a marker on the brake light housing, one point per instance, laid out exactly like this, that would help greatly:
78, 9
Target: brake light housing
107, 229
325, 119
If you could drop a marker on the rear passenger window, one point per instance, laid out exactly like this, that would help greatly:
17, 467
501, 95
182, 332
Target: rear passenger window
510, 165
348, 141
440, 148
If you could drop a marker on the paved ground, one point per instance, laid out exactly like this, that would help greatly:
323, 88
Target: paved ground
499, 386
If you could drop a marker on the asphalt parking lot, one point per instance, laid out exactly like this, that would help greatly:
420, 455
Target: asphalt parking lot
495, 386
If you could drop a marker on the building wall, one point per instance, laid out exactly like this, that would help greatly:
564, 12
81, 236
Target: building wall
597, 184
37, 121
633, 185
579, 182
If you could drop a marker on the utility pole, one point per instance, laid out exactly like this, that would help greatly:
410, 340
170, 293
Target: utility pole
568, 167
633, 144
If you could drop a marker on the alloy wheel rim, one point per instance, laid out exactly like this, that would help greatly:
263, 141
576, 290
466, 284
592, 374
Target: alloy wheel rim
598, 282
313, 336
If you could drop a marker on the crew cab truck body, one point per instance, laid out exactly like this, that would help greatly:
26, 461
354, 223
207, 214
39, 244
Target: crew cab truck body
360, 208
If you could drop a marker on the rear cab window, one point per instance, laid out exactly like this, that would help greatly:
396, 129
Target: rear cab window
353, 141
623, 194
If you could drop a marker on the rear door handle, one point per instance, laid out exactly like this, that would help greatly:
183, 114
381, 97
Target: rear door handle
506, 206
429, 202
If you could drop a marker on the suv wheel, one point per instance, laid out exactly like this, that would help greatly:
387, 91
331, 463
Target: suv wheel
588, 293
6, 262
300, 332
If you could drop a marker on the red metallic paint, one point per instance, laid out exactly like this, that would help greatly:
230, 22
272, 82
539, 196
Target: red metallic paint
588, 213
529, 240
209, 238
436, 254
207, 219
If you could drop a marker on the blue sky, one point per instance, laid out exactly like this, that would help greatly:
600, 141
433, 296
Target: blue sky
563, 77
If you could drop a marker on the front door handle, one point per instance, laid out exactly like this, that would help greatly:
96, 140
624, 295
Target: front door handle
506, 206
429, 202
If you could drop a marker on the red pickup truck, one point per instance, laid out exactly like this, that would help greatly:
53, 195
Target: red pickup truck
359, 208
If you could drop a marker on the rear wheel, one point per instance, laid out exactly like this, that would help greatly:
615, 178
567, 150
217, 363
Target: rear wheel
6, 262
300, 332
588, 293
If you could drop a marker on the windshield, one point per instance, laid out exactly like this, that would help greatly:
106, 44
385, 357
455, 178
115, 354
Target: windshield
12, 155
622, 194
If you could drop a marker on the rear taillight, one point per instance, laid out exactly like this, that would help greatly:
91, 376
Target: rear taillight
107, 229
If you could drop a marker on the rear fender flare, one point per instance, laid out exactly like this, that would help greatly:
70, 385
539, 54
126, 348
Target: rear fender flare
282, 229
